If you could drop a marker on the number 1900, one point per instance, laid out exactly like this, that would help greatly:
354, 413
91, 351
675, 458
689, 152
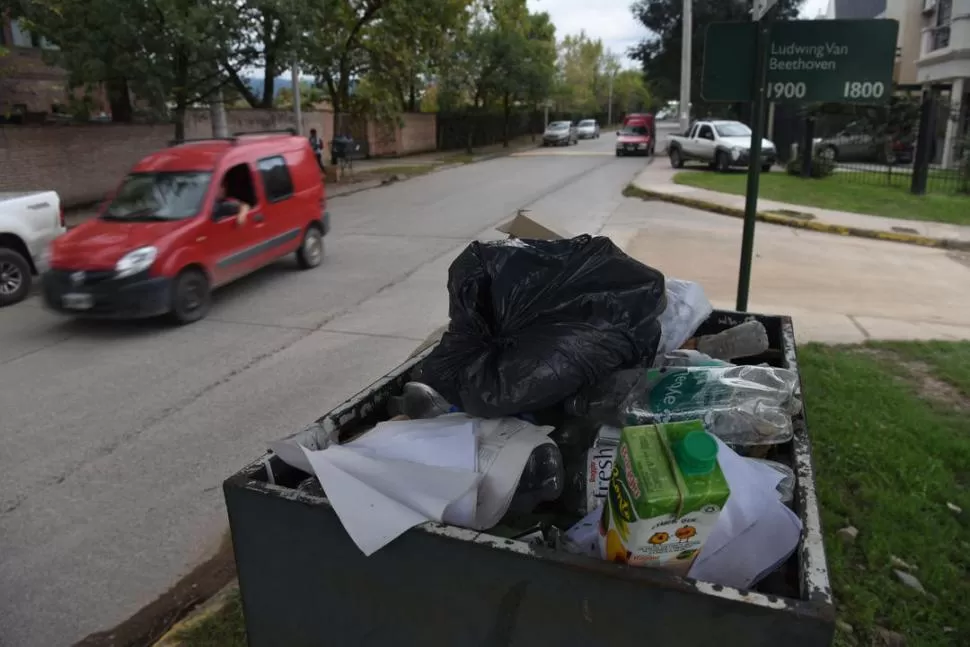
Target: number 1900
863, 90
789, 90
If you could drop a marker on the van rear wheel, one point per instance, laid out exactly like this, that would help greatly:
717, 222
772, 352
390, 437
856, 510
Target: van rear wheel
310, 254
191, 297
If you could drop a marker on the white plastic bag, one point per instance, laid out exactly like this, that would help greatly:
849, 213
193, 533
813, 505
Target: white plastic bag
687, 308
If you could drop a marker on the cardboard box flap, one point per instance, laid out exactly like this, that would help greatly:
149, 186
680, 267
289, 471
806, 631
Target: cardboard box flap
523, 226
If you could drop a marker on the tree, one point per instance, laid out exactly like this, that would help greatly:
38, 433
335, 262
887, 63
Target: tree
660, 53
265, 40
583, 78
165, 51
630, 93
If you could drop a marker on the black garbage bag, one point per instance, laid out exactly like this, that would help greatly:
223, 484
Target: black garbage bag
534, 321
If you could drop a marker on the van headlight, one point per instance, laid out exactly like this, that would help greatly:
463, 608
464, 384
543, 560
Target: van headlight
735, 153
135, 261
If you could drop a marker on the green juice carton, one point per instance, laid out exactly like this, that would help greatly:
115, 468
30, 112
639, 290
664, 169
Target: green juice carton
666, 492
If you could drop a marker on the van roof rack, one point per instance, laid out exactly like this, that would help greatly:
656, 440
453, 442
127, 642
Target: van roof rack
278, 131
176, 142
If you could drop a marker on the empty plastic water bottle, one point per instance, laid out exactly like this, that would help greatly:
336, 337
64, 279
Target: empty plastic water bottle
419, 401
741, 405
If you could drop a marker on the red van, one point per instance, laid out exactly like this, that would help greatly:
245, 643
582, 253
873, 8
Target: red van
637, 136
188, 219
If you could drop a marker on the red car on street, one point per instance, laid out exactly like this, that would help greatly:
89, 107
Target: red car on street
188, 219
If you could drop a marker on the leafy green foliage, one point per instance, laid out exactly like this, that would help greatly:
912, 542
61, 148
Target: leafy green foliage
660, 53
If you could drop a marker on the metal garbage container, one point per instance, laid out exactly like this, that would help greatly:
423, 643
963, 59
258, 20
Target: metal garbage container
304, 582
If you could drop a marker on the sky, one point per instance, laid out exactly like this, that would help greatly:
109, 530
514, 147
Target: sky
613, 22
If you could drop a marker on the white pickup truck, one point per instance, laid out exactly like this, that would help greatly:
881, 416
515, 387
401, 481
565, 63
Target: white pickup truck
721, 144
29, 221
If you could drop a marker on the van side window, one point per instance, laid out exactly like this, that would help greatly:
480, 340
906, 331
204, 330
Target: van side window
276, 178
238, 183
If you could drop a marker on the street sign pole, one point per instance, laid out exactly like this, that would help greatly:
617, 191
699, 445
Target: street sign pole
754, 161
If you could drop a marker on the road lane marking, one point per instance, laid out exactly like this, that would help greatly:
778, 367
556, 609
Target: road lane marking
541, 153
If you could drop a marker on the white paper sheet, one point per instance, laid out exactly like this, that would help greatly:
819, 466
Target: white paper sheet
454, 469
378, 499
504, 446
755, 532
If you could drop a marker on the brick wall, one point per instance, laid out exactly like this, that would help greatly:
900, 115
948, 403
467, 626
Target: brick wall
83, 162
417, 134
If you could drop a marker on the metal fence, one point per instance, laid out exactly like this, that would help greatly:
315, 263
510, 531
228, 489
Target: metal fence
475, 129
913, 138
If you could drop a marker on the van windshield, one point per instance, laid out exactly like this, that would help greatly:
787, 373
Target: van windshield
637, 129
159, 196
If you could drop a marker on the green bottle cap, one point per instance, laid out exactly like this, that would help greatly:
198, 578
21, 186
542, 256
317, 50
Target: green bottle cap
696, 454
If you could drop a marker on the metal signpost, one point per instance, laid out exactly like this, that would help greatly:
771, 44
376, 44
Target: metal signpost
844, 61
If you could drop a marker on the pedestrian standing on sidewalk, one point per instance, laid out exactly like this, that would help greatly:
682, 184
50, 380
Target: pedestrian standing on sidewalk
317, 145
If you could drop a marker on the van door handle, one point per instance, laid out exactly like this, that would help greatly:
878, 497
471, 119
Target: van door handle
258, 217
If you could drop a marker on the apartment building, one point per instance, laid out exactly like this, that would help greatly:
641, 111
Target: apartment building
933, 51
944, 59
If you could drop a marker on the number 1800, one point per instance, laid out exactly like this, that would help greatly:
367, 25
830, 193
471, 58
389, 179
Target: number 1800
786, 90
859, 90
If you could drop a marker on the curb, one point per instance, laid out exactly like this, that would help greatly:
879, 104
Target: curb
633, 191
203, 612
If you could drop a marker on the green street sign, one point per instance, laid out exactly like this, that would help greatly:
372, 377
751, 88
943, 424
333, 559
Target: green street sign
843, 61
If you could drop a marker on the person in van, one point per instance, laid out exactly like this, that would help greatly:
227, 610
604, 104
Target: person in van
228, 196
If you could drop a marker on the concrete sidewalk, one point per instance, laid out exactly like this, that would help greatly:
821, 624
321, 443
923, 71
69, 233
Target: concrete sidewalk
658, 181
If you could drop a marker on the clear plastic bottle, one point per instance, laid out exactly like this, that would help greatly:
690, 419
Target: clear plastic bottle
419, 401
741, 405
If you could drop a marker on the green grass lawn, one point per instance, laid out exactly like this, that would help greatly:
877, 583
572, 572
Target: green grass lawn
890, 427
875, 194
891, 436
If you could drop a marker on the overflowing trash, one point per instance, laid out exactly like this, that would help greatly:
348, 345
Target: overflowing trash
571, 404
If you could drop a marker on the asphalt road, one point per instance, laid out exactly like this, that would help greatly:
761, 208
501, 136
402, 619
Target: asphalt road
116, 436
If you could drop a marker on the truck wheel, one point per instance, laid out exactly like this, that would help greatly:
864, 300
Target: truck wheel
191, 297
766, 168
676, 159
310, 254
15, 277
722, 162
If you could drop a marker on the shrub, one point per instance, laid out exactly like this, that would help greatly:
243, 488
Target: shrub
821, 167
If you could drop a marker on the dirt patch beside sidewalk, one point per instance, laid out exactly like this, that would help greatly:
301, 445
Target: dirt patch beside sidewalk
151, 622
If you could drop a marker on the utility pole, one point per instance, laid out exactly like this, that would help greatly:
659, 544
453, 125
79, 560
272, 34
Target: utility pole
297, 108
609, 106
217, 114
685, 52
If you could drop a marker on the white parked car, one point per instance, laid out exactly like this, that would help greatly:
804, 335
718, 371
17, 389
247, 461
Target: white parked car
721, 144
29, 222
588, 129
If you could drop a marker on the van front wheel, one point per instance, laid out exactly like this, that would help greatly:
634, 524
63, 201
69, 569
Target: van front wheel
191, 296
310, 254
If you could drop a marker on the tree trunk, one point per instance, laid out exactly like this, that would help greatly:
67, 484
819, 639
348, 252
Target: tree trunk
181, 92
507, 114
412, 97
269, 72
119, 99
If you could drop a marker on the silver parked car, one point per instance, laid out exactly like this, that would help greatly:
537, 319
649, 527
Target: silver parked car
560, 133
588, 129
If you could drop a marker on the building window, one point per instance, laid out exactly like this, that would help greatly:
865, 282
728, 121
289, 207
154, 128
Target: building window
19, 36
941, 32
